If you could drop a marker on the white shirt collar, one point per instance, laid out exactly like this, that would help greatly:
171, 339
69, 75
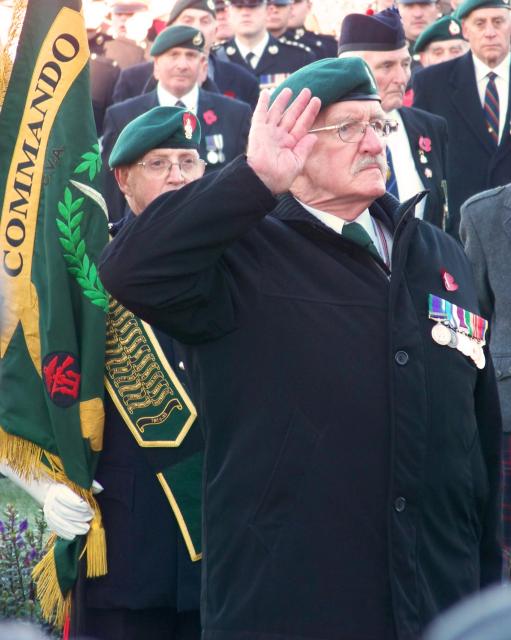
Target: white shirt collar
482, 70
190, 99
257, 49
336, 223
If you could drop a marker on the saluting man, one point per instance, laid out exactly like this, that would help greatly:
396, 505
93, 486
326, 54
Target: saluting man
352, 453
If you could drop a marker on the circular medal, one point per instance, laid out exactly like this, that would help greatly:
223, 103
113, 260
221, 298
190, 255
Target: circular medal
464, 344
453, 343
212, 157
481, 362
478, 356
441, 334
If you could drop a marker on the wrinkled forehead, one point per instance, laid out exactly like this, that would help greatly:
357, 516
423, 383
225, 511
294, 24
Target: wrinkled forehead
169, 153
350, 110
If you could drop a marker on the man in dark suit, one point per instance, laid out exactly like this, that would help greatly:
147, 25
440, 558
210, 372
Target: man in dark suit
179, 62
475, 103
417, 152
259, 52
485, 231
222, 77
322, 45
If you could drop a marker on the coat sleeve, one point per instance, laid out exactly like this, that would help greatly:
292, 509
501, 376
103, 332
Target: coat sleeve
476, 255
167, 265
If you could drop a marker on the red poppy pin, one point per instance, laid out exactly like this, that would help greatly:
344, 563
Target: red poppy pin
210, 116
449, 282
189, 125
425, 144
229, 94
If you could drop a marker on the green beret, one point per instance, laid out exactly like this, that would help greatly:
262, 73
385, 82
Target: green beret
159, 128
181, 5
446, 28
333, 80
465, 8
178, 36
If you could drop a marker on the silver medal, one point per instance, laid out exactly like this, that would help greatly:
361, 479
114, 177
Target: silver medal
441, 334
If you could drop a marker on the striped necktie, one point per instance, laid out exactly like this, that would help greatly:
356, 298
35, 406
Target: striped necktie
391, 176
356, 233
491, 107
181, 104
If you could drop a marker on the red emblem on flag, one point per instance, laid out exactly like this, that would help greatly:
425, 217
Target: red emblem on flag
61, 375
449, 282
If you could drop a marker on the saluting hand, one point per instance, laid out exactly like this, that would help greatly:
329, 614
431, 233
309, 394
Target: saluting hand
279, 142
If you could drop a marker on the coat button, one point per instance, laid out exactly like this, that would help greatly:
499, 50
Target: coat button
401, 358
498, 373
400, 504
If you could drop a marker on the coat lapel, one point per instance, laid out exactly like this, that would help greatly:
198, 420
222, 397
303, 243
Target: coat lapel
465, 99
413, 134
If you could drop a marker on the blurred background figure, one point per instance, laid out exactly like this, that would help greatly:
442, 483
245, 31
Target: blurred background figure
416, 16
483, 616
441, 41
223, 25
277, 17
323, 46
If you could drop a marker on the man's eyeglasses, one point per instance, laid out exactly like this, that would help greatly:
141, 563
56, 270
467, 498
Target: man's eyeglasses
161, 166
354, 130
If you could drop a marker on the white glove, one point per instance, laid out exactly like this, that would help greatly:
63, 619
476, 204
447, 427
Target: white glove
65, 512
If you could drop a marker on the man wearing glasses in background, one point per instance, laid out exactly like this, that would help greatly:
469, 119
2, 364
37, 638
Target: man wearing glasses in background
352, 455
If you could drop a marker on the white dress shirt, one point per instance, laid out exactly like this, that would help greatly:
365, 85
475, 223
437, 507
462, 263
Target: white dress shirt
371, 226
501, 82
190, 99
409, 182
257, 49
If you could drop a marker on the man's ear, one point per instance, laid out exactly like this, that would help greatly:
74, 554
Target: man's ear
121, 175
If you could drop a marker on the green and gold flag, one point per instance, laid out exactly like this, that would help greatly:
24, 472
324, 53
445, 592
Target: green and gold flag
52, 229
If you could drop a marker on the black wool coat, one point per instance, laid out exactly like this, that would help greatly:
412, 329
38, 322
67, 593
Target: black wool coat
352, 464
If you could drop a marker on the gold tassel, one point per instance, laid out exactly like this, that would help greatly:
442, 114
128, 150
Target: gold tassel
23, 456
96, 548
6, 55
54, 606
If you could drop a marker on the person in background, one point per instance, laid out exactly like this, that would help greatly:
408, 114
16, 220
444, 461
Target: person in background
441, 41
253, 48
179, 64
223, 25
221, 77
417, 151
472, 93
322, 45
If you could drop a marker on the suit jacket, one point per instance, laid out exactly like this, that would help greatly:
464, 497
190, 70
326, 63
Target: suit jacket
419, 124
486, 233
322, 45
278, 58
229, 79
103, 76
474, 163
232, 124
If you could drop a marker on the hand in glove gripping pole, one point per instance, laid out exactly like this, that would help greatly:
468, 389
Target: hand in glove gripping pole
66, 513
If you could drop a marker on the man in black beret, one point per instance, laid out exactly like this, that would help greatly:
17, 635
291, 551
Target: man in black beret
417, 153
472, 93
222, 77
255, 49
152, 447
322, 45
179, 63
352, 455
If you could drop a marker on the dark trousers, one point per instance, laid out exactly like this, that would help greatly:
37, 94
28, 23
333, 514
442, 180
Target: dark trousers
128, 624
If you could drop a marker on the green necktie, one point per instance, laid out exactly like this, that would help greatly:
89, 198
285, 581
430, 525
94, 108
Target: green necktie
356, 233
